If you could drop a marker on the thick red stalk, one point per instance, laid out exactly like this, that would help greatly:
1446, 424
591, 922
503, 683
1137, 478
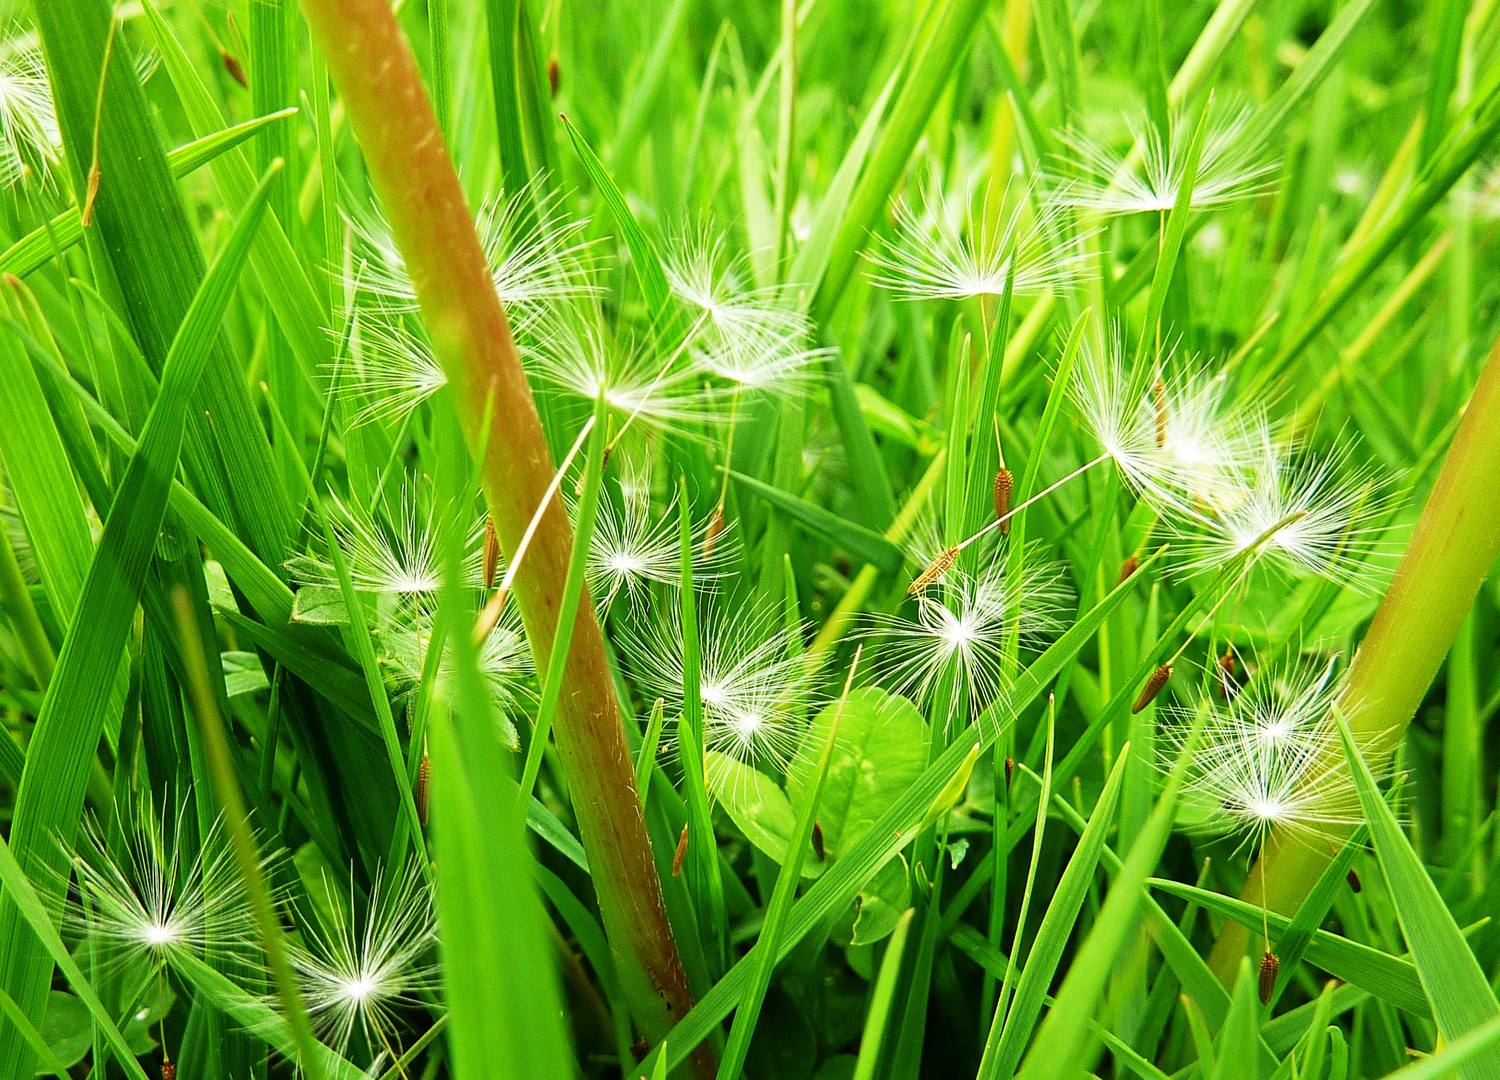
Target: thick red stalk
373, 68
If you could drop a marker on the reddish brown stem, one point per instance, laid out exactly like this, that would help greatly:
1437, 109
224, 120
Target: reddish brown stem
372, 66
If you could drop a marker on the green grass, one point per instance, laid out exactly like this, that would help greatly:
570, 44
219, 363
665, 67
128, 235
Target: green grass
781, 755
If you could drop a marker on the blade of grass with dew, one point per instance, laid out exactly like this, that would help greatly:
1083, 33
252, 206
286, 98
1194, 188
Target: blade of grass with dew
1386, 976
707, 881
1451, 976
782, 894
21, 894
888, 835
72, 714
1010, 1034
38, 247
1061, 1034
572, 597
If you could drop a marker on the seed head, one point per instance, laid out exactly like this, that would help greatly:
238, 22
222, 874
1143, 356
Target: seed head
1153, 687
1270, 964
1003, 485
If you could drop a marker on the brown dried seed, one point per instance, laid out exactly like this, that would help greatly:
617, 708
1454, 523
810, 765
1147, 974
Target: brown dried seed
424, 789
1270, 964
554, 74
681, 851
1010, 771
168, 1070
1127, 568
711, 534
1354, 882
233, 66
1003, 485
491, 552
817, 841
936, 569
1153, 687
1159, 396
1227, 685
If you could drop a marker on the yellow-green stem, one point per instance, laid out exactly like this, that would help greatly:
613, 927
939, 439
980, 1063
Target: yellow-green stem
1451, 550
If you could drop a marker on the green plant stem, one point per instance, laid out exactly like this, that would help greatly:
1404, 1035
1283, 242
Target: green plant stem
15, 601
372, 66
1451, 550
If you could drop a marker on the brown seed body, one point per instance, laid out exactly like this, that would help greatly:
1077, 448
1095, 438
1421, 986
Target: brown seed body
1003, 487
681, 851
1354, 882
817, 841
233, 66
1153, 687
424, 789
168, 1070
1227, 685
1127, 570
1270, 964
554, 75
491, 553
1010, 771
936, 569
711, 534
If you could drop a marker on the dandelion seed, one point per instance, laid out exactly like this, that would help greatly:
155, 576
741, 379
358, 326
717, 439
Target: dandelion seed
939, 566
504, 661
424, 788
937, 256
355, 974
1322, 516
572, 352
390, 556
963, 628
1268, 759
753, 683
491, 552
629, 553
1128, 568
754, 338
536, 254
1152, 688
29, 138
682, 843
1231, 167
392, 371
153, 902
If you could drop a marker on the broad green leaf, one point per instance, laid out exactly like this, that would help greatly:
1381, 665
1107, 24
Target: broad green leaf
756, 804
1451, 976
881, 752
